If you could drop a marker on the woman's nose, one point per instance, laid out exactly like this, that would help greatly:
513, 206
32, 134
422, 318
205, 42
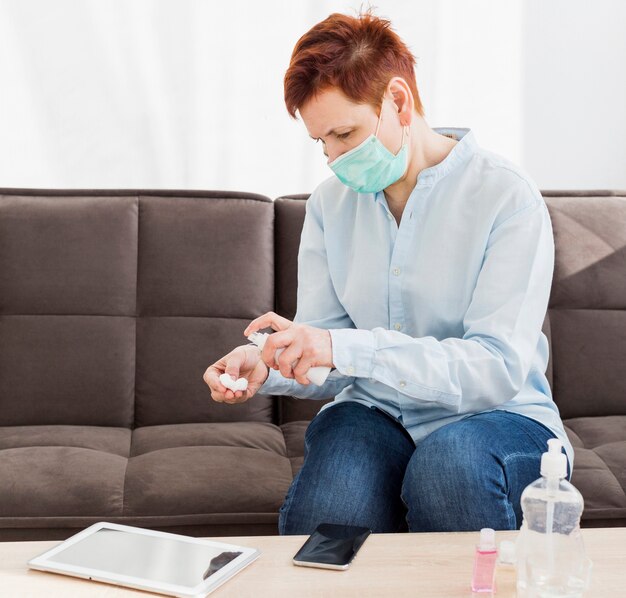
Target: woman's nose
331, 155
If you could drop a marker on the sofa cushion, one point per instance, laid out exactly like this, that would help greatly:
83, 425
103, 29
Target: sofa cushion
205, 269
588, 303
589, 352
104, 439
61, 471
258, 435
68, 269
289, 218
590, 242
214, 472
294, 441
172, 355
600, 465
115, 302
207, 468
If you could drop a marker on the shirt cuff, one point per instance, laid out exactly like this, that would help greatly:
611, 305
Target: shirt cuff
353, 351
276, 384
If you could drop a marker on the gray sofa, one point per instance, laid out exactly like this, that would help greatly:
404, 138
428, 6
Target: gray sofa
114, 302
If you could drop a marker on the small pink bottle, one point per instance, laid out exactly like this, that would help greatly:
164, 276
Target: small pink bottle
483, 579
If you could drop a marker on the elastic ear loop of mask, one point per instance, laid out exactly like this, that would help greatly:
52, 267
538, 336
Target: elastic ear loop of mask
404, 127
380, 118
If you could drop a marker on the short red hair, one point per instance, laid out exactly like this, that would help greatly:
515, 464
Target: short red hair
359, 55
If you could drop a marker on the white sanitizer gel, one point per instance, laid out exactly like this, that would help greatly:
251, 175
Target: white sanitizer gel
551, 558
317, 375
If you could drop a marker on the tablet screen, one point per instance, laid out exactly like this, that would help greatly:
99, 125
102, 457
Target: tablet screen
166, 560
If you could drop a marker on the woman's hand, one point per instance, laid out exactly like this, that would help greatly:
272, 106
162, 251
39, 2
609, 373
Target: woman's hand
305, 346
242, 362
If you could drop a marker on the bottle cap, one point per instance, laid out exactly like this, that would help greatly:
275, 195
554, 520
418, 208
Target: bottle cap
554, 462
258, 338
506, 554
487, 539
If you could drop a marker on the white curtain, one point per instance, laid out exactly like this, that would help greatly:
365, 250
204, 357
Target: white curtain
188, 94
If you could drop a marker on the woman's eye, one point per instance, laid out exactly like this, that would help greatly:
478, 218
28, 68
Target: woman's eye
344, 135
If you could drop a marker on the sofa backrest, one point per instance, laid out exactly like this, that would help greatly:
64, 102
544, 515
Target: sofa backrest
587, 309
114, 302
586, 318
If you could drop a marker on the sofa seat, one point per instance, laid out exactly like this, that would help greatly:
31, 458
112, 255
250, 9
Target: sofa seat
600, 467
293, 433
62, 470
162, 475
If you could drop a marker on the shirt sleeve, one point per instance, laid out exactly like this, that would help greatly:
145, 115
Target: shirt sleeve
317, 305
502, 326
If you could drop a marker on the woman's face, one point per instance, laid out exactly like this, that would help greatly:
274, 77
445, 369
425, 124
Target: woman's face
340, 124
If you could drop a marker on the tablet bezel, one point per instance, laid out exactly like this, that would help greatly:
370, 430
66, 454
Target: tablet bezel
42, 562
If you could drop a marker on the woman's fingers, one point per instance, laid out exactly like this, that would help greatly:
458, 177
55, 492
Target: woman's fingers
275, 346
302, 367
290, 355
269, 319
233, 398
219, 392
212, 378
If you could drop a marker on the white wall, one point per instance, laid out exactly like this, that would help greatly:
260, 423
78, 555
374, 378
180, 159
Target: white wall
574, 93
188, 94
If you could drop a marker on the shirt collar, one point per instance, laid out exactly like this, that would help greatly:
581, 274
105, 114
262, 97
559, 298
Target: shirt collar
465, 147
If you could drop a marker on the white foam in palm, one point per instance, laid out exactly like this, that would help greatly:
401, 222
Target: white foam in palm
234, 385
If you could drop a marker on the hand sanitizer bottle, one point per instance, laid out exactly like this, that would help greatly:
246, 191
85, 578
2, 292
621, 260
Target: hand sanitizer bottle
484, 577
317, 374
551, 558
506, 575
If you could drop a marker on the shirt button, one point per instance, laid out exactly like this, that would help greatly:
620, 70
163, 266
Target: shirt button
397, 326
396, 271
372, 380
402, 383
350, 370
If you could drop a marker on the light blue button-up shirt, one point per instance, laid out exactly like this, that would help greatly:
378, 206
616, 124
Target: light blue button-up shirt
439, 317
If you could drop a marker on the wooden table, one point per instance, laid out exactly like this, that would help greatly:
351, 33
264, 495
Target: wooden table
411, 564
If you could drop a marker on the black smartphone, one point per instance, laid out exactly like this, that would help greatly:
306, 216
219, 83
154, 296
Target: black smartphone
331, 546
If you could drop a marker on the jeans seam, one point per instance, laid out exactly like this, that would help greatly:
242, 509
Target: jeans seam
544, 448
504, 465
534, 421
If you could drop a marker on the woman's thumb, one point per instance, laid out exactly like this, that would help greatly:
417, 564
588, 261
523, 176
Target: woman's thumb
233, 366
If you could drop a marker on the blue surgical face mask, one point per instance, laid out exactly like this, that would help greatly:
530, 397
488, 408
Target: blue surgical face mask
370, 167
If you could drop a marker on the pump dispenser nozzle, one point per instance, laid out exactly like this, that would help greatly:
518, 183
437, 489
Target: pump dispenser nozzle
554, 462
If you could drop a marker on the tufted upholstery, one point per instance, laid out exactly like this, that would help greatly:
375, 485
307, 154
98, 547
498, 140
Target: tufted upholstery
113, 303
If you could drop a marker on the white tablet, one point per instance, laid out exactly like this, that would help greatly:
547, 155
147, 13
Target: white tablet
170, 564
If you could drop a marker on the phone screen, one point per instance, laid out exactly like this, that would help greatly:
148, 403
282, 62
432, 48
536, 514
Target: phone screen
332, 546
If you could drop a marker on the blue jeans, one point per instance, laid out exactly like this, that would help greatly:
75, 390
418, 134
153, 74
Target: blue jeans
361, 467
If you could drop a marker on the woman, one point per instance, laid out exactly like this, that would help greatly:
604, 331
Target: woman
424, 273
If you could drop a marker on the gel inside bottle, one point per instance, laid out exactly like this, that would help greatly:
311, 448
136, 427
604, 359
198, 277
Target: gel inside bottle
483, 579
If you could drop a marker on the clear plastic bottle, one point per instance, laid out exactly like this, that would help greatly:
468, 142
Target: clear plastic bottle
551, 559
317, 374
